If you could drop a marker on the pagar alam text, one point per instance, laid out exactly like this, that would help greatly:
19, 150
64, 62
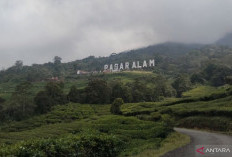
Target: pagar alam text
128, 66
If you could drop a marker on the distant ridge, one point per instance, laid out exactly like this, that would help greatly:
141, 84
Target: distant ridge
226, 40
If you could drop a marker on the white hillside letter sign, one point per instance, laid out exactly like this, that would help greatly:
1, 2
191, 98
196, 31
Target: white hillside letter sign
151, 63
115, 66
111, 67
144, 64
127, 64
121, 66
133, 65
106, 67
138, 66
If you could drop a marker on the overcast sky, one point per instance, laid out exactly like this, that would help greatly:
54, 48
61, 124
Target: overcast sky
37, 30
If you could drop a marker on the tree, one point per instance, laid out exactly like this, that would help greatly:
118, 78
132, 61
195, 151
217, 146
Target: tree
162, 89
19, 63
52, 95
55, 91
216, 74
97, 92
138, 90
58, 67
21, 104
1, 103
37, 73
43, 102
17, 67
115, 107
57, 60
197, 78
74, 95
181, 85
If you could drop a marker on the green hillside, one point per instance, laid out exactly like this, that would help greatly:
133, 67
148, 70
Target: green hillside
127, 113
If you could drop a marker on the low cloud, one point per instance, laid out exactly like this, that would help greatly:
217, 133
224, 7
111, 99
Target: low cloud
37, 30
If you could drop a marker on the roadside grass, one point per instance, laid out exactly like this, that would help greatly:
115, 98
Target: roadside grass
172, 142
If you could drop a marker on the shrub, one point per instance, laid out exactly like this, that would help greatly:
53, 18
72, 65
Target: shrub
115, 107
212, 123
82, 146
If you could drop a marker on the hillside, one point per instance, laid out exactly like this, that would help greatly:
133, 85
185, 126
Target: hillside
126, 113
226, 40
171, 58
139, 130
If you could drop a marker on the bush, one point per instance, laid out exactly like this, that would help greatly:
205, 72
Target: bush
212, 123
115, 107
82, 146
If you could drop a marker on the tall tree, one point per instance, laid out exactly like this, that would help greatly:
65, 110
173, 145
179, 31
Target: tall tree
74, 95
52, 95
181, 84
97, 92
21, 103
57, 60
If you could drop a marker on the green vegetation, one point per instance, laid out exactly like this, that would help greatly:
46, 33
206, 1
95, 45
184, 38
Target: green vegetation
170, 143
83, 145
134, 136
48, 110
116, 106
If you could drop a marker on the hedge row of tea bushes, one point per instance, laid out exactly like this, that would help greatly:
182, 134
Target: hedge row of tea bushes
108, 135
209, 123
87, 145
208, 110
61, 113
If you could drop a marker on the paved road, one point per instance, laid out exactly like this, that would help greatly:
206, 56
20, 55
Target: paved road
198, 138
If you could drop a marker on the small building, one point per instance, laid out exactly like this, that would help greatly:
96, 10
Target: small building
81, 72
53, 79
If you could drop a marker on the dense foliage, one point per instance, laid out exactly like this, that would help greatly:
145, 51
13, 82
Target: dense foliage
115, 107
82, 146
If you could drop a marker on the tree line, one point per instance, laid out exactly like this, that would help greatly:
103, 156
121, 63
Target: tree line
23, 104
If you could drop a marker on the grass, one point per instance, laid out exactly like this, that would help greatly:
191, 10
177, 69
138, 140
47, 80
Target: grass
172, 142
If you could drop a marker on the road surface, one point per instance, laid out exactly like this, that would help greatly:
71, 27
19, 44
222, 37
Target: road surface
198, 138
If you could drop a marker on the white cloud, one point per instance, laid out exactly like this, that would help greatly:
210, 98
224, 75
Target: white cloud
37, 30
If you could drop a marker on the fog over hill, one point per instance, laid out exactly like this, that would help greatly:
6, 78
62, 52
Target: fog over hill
226, 40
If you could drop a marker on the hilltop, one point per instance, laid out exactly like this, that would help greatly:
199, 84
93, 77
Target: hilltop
170, 58
226, 40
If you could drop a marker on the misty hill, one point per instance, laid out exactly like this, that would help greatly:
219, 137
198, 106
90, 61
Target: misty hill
171, 59
226, 40
157, 52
